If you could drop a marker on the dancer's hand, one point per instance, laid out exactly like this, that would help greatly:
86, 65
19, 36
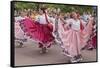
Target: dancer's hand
91, 18
60, 17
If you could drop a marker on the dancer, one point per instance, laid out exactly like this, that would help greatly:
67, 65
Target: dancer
39, 30
20, 38
56, 31
93, 38
88, 30
71, 37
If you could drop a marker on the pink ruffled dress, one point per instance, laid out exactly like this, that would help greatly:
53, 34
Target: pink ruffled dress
74, 38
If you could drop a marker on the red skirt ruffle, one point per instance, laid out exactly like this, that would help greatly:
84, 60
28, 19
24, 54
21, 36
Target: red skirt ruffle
36, 31
94, 41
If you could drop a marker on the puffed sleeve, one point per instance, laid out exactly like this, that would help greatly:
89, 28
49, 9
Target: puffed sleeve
69, 22
84, 23
37, 18
18, 19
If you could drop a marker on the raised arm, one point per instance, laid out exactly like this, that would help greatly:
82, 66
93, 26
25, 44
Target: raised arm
63, 21
66, 23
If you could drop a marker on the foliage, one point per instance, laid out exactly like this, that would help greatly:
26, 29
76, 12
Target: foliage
64, 8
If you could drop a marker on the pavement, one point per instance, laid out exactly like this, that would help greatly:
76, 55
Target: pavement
30, 54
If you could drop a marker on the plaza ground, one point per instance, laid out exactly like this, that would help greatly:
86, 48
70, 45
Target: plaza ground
30, 54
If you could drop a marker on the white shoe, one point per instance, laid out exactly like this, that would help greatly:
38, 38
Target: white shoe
73, 60
66, 54
80, 59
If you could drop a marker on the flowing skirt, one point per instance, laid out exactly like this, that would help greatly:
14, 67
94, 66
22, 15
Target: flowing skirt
71, 41
19, 34
20, 38
86, 35
38, 32
92, 42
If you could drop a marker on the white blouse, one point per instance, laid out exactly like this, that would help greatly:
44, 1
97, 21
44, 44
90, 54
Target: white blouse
42, 20
75, 24
52, 19
19, 18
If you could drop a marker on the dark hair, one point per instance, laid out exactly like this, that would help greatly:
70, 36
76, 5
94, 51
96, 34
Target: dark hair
71, 15
43, 9
78, 14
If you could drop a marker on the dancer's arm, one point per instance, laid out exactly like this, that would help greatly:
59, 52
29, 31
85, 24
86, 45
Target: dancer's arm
65, 24
50, 21
63, 21
91, 19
